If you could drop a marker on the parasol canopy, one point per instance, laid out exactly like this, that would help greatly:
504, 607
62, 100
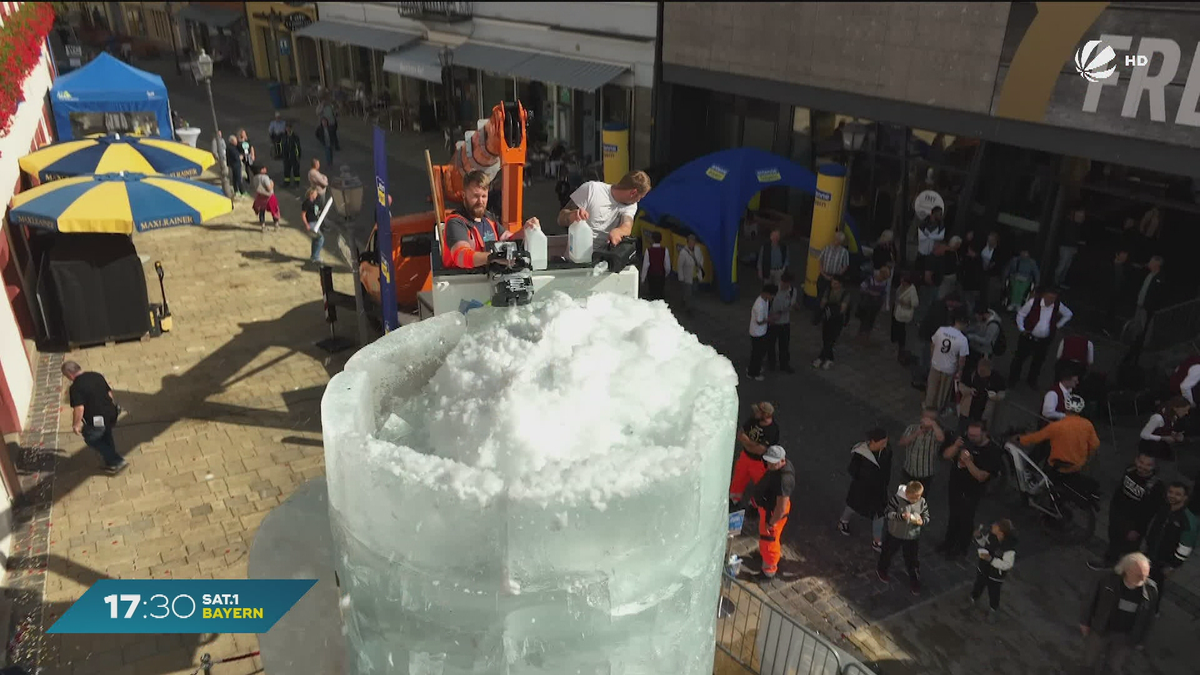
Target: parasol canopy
115, 152
117, 203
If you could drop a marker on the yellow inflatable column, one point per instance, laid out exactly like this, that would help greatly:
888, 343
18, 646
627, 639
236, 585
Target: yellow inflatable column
615, 141
826, 220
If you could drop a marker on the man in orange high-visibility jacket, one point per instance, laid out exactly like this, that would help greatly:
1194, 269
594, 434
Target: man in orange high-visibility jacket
468, 233
773, 495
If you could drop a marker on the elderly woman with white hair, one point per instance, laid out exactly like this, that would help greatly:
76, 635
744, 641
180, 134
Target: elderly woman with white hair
1118, 614
951, 262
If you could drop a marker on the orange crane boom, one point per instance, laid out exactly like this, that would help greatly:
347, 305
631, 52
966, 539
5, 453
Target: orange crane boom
497, 147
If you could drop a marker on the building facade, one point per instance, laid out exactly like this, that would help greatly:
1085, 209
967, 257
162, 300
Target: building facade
31, 128
576, 66
981, 102
278, 53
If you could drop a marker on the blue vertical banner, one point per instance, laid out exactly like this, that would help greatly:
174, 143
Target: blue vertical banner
383, 224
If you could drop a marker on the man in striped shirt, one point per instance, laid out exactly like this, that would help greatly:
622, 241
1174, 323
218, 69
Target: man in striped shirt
923, 443
834, 261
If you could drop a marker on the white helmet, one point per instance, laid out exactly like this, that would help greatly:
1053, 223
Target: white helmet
1074, 404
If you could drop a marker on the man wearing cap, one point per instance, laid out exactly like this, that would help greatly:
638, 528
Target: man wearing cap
758, 433
773, 495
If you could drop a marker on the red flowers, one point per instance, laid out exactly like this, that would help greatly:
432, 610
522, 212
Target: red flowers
21, 39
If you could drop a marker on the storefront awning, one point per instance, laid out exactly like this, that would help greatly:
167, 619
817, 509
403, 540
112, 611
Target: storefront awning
213, 17
568, 72
379, 39
421, 60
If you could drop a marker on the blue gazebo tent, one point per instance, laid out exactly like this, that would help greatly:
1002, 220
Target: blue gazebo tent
111, 96
709, 195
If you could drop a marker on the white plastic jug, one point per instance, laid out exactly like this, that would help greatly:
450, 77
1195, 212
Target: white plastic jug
579, 242
535, 243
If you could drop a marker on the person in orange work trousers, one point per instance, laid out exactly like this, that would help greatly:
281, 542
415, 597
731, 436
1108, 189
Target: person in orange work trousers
758, 433
773, 495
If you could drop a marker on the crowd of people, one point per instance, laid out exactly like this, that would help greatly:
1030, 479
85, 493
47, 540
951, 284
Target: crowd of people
955, 300
250, 177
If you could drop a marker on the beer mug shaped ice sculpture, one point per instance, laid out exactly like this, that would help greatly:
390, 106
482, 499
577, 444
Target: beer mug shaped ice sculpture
534, 490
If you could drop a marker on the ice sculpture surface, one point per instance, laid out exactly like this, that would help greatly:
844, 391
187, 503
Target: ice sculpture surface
537, 490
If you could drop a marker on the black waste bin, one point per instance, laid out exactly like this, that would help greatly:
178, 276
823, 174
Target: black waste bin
275, 90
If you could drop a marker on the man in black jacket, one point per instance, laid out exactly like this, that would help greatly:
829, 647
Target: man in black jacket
1170, 537
1118, 614
975, 460
1133, 504
290, 145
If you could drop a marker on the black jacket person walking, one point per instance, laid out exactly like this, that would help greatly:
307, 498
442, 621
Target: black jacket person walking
95, 413
290, 145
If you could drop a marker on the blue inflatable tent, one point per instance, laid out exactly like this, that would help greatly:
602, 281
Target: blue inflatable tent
109, 86
709, 195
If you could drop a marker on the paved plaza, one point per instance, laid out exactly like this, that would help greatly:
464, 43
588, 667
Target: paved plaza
222, 425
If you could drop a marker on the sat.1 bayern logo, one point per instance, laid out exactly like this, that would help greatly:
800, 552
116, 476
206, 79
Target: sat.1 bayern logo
1095, 61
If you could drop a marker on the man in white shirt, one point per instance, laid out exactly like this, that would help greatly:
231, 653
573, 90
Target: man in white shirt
1054, 403
930, 232
608, 209
780, 330
1185, 378
948, 353
1039, 319
691, 269
760, 316
275, 131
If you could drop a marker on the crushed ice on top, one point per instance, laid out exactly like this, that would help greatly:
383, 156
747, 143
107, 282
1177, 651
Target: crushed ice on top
561, 401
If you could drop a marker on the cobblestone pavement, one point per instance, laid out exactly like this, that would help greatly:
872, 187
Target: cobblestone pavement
223, 424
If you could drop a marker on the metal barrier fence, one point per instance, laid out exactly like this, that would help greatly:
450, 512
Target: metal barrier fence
1173, 325
756, 637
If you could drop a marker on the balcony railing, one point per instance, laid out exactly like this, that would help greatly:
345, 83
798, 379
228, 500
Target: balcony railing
448, 12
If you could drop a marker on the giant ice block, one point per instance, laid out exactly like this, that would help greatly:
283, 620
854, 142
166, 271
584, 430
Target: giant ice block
536, 490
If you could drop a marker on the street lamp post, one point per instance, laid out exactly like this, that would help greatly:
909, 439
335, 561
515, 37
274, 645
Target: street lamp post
204, 63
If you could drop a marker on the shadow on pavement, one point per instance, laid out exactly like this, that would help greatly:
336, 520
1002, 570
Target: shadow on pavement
86, 653
184, 396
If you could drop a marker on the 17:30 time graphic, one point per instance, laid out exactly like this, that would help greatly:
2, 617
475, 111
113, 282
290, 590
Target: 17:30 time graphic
182, 606
170, 607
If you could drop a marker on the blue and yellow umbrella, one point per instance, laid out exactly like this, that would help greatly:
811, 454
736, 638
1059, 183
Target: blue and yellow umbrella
117, 203
106, 154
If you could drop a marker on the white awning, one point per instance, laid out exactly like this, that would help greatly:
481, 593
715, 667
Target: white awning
573, 73
360, 35
421, 60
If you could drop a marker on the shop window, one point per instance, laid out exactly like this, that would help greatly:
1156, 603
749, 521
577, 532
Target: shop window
942, 149
616, 104
758, 133
134, 123
802, 137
